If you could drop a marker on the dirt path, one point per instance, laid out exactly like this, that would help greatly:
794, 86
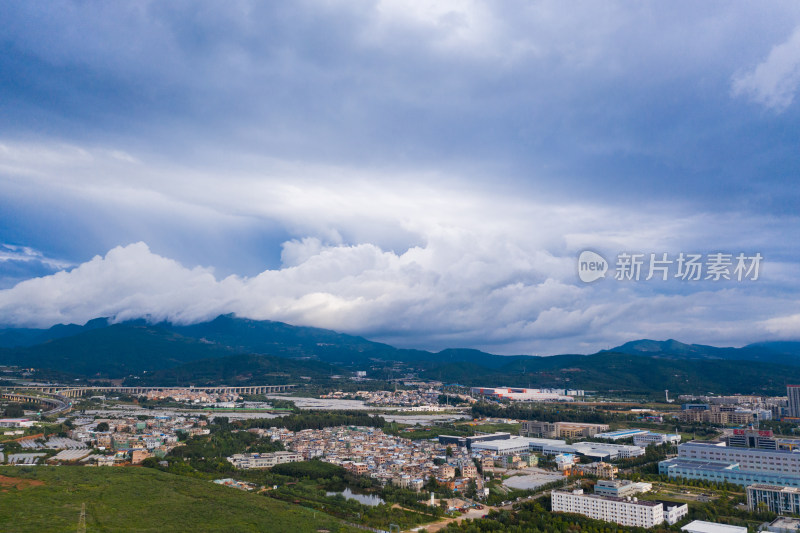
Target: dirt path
18, 483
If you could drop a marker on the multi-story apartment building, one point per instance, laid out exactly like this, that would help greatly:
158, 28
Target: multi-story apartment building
567, 430
623, 511
599, 469
780, 500
469, 471
537, 429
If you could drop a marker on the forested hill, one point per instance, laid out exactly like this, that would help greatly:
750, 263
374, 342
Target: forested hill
234, 350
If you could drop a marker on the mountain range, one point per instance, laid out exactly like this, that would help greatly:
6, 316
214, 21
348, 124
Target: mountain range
230, 350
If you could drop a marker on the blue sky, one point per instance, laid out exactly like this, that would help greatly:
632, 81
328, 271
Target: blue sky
420, 173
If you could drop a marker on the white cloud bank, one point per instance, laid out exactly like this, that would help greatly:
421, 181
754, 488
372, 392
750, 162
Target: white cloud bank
413, 259
480, 293
775, 81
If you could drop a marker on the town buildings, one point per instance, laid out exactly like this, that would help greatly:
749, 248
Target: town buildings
723, 414
568, 430
415, 399
389, 459
600, 469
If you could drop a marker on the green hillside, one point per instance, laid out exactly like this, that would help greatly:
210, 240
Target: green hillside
230, 350
113, 351
245, 369
276, 338
143, 500
784, 353
610, 371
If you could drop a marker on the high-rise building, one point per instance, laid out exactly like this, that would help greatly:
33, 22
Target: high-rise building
793, 392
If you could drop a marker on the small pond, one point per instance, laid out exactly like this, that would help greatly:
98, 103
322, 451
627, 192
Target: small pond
366, 499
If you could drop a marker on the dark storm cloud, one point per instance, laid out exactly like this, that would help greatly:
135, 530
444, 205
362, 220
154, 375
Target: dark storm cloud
374, 144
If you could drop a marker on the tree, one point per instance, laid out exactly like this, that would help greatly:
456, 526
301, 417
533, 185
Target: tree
449, 451
472, 489
102, 426
14, 410
431, 485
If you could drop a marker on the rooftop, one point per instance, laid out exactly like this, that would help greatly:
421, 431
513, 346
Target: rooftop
645, 503
764, 486
786, 522
699, 463
699, 526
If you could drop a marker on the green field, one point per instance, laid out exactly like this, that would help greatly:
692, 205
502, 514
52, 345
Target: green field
141, 500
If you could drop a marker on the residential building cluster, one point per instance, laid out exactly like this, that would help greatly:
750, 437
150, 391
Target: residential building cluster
371, 452
133, 440
758, 407
722, 414
423, 397
555, 430
191, 396
127, 441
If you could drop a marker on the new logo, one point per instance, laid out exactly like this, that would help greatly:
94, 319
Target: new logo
591, 266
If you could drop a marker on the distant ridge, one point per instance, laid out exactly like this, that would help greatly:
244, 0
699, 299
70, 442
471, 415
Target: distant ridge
229, 350
781, 352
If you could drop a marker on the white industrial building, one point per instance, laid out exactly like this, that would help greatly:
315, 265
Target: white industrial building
701, 526
15, 423
527, 395
649, 438
510, 446
620, 488
752, 459
600, 451
621, 434
623, 511
263, 460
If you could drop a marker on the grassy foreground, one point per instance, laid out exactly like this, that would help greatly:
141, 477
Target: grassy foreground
141, 500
